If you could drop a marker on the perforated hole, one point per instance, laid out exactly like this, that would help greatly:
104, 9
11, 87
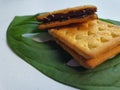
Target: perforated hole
90, 32
92, 46
114, 35
103, 39
98, 39
67, 32
110, 26
101, 29
85, 45
98, 21
78, 37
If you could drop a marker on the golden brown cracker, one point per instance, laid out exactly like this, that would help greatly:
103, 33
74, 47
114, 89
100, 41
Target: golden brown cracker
67, 16
89, 39
93, 62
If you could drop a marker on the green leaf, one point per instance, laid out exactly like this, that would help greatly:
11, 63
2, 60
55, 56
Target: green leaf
51, 59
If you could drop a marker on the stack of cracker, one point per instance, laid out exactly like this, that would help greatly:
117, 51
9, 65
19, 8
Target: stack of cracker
90, 41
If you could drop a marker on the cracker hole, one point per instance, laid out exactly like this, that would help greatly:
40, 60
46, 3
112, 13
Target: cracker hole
98, 39
110, 26
103, 39
98, 21
92, 46
114, 35
67, 32
90, 33
85, 45
101, 29
77, 37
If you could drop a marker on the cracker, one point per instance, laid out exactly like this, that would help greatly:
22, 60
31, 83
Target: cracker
90, 63
67, 16
90, 39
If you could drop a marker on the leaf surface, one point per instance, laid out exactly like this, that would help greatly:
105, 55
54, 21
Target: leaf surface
51, 59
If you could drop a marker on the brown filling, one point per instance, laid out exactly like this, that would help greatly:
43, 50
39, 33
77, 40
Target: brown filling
69, 15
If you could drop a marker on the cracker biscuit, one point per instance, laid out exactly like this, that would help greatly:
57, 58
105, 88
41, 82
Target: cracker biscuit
90, 63
67, 16
90, 39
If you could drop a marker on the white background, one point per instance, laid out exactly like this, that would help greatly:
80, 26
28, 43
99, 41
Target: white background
15, 74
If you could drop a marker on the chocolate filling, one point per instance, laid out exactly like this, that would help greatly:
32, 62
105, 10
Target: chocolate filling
72, 14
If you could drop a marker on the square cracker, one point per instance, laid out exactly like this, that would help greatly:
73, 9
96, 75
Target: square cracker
90, 39
67, 16
90, 63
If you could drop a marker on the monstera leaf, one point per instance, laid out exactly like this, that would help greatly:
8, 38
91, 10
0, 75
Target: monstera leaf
50, 59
